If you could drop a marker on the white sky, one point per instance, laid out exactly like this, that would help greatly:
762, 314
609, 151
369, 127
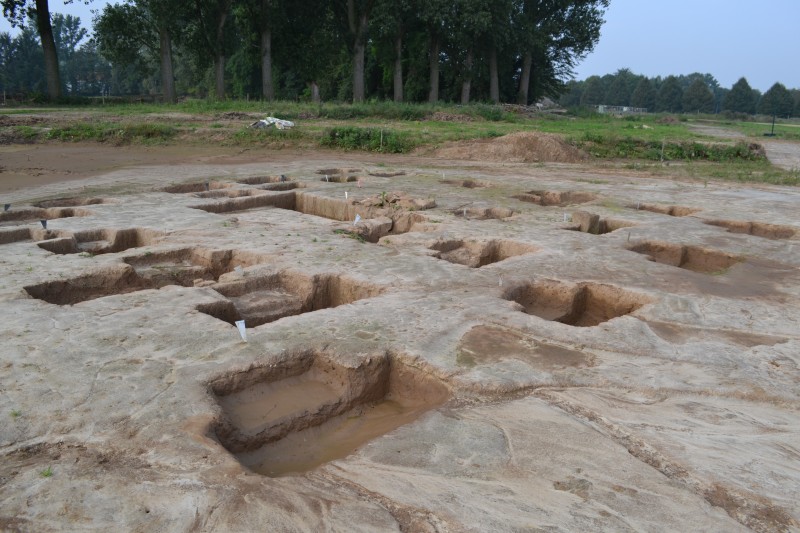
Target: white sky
727, 38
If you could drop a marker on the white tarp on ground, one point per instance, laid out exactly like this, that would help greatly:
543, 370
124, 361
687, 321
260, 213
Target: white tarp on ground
272, 121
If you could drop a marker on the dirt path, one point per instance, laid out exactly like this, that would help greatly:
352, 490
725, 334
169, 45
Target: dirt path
782, 154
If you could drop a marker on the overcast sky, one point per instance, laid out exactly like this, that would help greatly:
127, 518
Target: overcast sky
759, 40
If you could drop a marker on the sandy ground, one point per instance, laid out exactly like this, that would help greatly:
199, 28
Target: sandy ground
480, 365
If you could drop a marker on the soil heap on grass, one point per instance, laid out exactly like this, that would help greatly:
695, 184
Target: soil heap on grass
520, 147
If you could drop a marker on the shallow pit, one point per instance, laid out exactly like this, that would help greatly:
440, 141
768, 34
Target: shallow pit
671, 210
265, 299
282, 186
261, 180
72, 202
584, 304
586, 222
468, 183
32, 215
285, 200
484, 345
182, 188
12, 235
335, 171
756, 229
101, 241
476, 254
483, 213
387, 173
694, 258
311, 408
338, 178
228, 193
187, 267
556, 198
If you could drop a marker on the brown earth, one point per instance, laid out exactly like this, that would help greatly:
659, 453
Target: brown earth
521, 147
453, 361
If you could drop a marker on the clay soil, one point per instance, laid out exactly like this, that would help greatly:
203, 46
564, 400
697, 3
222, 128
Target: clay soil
207, 338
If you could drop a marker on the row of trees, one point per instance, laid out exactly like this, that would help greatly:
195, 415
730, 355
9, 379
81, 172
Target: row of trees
695, 93
458, 50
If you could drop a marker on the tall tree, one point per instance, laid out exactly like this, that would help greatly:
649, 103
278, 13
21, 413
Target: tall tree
777, 101
472, 20
559, 33
436, 15
207, 38
740, 99
355, 15
670, 96
15, 11
698, 98
68, 34
263, 18
644, 95
140, 34
392, 21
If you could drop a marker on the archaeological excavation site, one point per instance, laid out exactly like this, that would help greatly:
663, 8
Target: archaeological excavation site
335, 341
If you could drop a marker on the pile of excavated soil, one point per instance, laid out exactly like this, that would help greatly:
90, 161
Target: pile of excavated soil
521, 147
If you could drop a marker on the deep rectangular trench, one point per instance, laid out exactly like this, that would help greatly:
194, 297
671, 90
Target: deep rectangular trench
479, 253
101, 241
311, 408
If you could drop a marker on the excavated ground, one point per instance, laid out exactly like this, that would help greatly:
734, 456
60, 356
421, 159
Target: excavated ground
453, 360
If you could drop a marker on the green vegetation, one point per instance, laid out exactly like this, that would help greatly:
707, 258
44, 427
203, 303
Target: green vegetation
117, 133
47, 472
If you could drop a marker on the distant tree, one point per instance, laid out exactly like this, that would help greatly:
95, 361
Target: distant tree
698, 98
68, 35
644, 95
15, 11
572, 95
593, 92
670, 96
740, 99
796, 97
621, 88
777, 101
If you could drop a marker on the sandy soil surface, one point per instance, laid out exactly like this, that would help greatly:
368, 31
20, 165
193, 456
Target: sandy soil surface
431, 345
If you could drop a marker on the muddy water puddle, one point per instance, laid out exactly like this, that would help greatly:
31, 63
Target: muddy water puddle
335, 439
486, 344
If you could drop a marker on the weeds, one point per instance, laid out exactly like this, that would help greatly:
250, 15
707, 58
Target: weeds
47, 472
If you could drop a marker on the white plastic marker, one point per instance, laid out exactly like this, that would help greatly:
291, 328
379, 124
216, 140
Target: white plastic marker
43, 223
465, 212
565, 217
345, 195
357, 220
239, 270
242, 329
500, 282
326, 177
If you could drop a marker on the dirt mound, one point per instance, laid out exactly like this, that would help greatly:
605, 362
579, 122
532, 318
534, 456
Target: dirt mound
521, 147
441, 116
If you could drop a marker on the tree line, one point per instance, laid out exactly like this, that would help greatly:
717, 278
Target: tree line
404, 50
693, 93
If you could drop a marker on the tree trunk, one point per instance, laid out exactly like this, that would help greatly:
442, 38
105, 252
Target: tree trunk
494, 83
267, 90
219, 48
315, 92
219, 76
359, 50
398, 68
167, 74
466, 85
48, 49
525, 79
433, 95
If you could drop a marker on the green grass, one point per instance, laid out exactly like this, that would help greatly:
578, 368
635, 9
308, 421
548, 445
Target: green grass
47, 472
115, 133
758, 129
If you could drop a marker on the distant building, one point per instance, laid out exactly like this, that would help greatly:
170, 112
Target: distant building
620, 110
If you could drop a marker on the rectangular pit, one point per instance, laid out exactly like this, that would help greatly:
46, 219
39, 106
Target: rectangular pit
671, 210
476, 254
32, 215
556, 198
756, 229
694, 258
101, 241
185, 267
311, 408
583, 304
269, 298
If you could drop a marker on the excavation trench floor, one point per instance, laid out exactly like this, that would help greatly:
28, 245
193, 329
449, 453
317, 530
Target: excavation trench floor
642, 379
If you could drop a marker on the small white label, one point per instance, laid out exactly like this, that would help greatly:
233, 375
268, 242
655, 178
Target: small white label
242, 329
345, 195
357, 220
